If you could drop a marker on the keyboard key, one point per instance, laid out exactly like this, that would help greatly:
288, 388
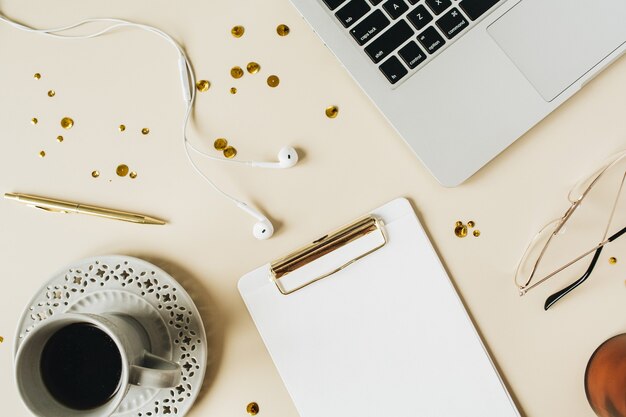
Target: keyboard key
389, 41
476, 8
333, 4
452, 23
371, 26
412, 55
419, 17
438, 6
413, 1
431, 40
375, 2
395, 8
393, 70
352, 11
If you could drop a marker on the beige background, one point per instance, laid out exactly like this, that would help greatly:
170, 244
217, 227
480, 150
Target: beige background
350, 165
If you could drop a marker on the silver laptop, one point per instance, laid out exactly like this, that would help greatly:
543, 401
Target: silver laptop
461, 80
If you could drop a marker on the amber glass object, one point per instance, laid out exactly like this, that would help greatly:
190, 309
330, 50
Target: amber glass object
605, 378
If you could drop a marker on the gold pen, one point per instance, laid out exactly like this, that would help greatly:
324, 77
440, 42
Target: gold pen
60, 206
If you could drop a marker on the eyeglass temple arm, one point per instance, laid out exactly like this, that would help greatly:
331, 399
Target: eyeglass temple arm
550, 301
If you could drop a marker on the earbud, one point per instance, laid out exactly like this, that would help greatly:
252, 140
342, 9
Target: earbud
263, 228
287, 158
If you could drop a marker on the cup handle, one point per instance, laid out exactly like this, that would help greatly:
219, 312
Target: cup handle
155, 372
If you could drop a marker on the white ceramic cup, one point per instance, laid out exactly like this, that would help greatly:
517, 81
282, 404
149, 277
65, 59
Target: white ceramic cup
139, 367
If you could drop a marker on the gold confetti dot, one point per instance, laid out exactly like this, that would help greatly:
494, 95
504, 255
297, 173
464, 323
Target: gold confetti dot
121, 128
612, 260
252, 409
460, 231
283, 30
67, 123
471, 224
122, 170
52, 93
37, 76
203, 86
95, 174
253, 67
1, 339
34, 120
59, 138
332, 112
233, 90
230, 152
145, 131
220, 144
476, 233
236, 72
133, 175
459, 223
273, 81
42, 154
238, 31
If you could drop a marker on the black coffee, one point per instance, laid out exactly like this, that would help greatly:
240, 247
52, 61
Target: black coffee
81, 366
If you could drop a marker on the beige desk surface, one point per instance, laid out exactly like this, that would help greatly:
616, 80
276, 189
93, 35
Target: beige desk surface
350, 165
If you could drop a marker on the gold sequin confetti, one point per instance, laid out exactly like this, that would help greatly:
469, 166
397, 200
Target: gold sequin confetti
42, 154
95, 174
145, 131
612, 260
203, 86
1, 339
460, 231
230, 152
67, 123
236, 72
283, 30
220, 144
471, 224
37, 76
233, 90
59, 138
273, 81
476, 233
133, 175
238, 31
253, 67
459, 223
121, 128
252, 409
122, 170
52, 93
332, 112
34, 120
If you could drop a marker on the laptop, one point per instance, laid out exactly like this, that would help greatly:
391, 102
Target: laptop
460, 80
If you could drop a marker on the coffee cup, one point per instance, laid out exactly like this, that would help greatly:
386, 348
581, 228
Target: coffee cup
82, 365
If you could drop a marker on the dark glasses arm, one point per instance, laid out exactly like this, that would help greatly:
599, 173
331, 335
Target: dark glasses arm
550, 301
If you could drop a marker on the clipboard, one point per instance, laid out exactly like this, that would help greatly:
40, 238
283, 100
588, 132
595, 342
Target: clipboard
365, 322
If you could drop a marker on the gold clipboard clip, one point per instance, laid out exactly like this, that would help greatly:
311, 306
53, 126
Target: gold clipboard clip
323, 246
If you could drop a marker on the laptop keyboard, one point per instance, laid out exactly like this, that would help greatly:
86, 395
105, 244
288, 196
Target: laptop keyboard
399, 36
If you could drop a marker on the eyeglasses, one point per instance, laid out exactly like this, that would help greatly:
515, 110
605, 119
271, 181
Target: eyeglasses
597, 211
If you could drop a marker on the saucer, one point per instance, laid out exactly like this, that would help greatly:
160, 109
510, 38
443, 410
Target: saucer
131, 286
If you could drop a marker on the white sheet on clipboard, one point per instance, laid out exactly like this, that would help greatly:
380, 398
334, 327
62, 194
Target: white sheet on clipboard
385, 337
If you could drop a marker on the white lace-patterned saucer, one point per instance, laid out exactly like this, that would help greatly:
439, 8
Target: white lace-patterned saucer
131, 286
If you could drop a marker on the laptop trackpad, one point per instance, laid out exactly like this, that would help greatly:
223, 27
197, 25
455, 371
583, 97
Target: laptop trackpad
556, 42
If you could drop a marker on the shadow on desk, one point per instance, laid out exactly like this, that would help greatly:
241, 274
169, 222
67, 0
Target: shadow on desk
213, 323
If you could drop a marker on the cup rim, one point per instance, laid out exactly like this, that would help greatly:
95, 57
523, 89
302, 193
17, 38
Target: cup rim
110, 405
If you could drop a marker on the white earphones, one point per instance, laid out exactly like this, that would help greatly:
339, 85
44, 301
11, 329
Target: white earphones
287, 156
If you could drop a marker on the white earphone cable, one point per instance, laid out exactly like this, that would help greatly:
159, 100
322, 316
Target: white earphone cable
189, 77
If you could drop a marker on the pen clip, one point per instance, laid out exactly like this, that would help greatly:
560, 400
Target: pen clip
52, 210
